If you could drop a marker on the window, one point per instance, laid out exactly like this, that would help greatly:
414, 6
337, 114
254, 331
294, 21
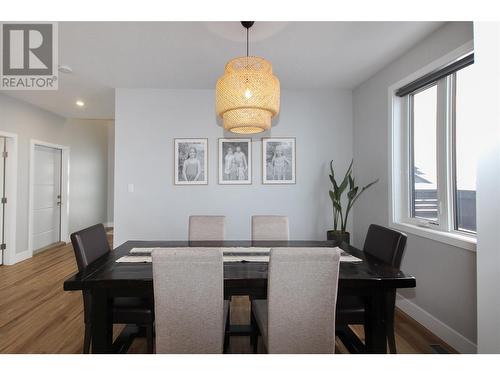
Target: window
423, 167
437, 152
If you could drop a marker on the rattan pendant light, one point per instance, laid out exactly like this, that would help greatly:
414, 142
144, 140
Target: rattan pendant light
248, 94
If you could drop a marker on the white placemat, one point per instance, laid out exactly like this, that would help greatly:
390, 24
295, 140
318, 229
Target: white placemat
246, 258
134, 259
348, 258
225, 250
231, 258
243, 250
231, 254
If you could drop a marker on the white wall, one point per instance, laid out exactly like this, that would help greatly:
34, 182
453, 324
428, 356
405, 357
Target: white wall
111, 172
88, 162
147, 121
445, 297
487, 43
88, 142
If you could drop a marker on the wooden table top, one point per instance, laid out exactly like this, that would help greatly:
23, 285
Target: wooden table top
106, 273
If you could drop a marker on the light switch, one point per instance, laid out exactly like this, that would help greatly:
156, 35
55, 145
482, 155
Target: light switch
130, 188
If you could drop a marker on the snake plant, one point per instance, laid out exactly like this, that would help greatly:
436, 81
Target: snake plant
340, 214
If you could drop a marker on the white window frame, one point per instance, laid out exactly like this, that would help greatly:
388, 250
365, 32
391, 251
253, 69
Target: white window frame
399, 160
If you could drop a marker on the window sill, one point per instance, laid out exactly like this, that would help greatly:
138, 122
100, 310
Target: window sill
454, 239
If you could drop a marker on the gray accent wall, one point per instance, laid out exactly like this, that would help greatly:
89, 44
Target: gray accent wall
446, 275
148, 120
88, 142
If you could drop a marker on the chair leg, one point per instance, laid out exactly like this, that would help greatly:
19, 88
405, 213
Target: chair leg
254, 336
87, 338
392, 342
226, 342
150, 339
391, 339
352, 343
390, 307
227, 329
256, 345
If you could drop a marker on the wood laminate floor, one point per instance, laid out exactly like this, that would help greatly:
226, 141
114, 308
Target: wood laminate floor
38, 316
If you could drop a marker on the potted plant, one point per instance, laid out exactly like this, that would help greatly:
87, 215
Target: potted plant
340, 214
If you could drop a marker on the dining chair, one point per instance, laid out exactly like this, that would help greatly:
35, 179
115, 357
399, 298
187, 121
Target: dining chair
267, 228
270, 228
207, 228
299, 313
387, 246
89, 245
190, 309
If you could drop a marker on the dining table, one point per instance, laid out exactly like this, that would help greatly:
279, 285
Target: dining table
369, 278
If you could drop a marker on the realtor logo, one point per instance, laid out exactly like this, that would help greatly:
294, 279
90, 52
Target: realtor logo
29, 56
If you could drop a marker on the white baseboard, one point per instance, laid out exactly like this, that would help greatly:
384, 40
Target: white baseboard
437, 327
108, 225
18, 257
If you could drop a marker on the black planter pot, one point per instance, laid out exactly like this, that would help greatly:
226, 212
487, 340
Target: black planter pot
336, 235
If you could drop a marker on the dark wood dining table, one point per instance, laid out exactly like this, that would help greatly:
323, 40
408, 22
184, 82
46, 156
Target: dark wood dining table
105, 279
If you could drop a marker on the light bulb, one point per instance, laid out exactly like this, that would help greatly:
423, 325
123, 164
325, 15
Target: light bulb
248, 94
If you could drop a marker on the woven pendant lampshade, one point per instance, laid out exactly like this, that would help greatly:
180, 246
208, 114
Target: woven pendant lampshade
247, 95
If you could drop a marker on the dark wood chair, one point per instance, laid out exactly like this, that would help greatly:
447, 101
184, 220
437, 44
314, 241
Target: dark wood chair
388, 246
89, 245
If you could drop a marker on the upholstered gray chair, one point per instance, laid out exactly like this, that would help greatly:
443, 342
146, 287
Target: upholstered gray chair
189, 300
299, 314
270, 228
206, 228
267, 228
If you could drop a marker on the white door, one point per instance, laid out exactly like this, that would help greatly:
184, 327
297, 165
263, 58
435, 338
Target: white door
46, 196
3, 149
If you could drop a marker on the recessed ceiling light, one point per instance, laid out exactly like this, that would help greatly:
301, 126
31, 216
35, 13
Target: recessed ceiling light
65, 69
80, 103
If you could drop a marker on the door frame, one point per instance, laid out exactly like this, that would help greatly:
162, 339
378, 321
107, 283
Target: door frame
64, 190
11, 193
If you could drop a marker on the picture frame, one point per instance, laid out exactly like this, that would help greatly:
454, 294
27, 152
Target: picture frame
191, 161
235, 161
278, 161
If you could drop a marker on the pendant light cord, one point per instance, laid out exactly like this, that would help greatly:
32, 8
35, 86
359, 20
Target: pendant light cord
247, 42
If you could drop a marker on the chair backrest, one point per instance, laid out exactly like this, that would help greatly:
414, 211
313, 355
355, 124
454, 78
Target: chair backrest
207, 228
189, 297
270, 228
385, 244
89, 244
302, 297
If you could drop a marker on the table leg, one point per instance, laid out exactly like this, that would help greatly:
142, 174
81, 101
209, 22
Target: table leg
375, 323
102, 322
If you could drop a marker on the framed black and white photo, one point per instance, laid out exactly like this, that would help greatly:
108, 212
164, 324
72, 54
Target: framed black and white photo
278, 160
235, 161
190, 165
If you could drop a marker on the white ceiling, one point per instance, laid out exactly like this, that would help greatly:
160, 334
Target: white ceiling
192, 55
